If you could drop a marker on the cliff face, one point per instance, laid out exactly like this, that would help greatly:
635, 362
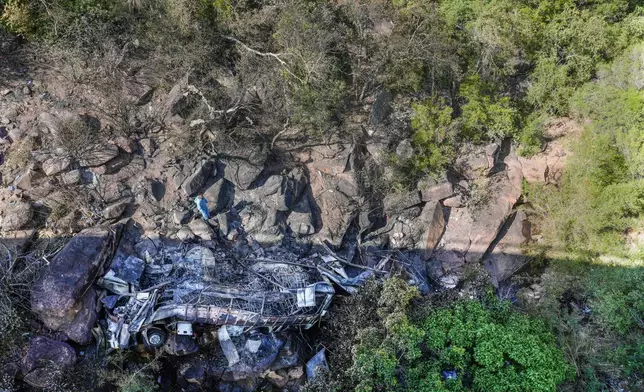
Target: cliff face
68, 154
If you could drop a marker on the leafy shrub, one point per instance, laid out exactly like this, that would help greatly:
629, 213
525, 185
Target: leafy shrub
18, 16
432, 139
490, 347
484, 114
531, 135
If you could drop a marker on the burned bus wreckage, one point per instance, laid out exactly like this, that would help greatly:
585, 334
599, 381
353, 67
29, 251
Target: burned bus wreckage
186, 286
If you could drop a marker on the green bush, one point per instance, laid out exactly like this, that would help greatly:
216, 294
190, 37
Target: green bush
491, 347
485, 115
432, 138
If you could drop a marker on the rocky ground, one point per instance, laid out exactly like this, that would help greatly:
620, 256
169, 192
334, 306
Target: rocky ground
286, 196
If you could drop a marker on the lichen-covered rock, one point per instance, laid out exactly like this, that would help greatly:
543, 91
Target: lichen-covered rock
45, 361
16, 215
60, 295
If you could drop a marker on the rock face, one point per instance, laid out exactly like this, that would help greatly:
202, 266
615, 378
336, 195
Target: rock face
63, 297
547, 166
334, 189
99, 155
55, 165
507, 257
241, 173
197, 180
432, 224
473, 227
438, 192
504, 192
45, 361
16, 215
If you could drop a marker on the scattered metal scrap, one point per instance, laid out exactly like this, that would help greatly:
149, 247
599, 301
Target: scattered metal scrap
192, 284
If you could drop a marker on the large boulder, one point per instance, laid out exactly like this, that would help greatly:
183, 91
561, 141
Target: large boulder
220, 195
504, 191
241, 172
506, 257
477, 161
472, 228
45, 361
55, 165
63, 296
16, 215
331, 171
193, 184
99, 155
115, 210
430, 226
281, 193
437, 192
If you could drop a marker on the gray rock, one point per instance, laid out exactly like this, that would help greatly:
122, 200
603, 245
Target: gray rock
397, 202
193, 184
148, 146
181, 217
115, 210
16, 215
185, 234
241, 173
405, 150
49, 121
177, 101
430, 226
202, 229
381, 108
99, 155
437, 192
301, 220
55, 165
220, 195
16, 134
57, 298
27, 178
454, 202
45, 361
124, 143
477, 162
137, 92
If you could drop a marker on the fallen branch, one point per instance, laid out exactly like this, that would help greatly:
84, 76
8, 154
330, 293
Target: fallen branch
276, 56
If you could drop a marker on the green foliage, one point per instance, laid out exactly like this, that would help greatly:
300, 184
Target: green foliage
602, 191
576, 42
485, 115
491, 347
310, 34
596, 311
617, 298
18, 16
422, 59
432, 139
530, 136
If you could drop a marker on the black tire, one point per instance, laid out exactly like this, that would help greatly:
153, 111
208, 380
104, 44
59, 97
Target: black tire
154, 337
